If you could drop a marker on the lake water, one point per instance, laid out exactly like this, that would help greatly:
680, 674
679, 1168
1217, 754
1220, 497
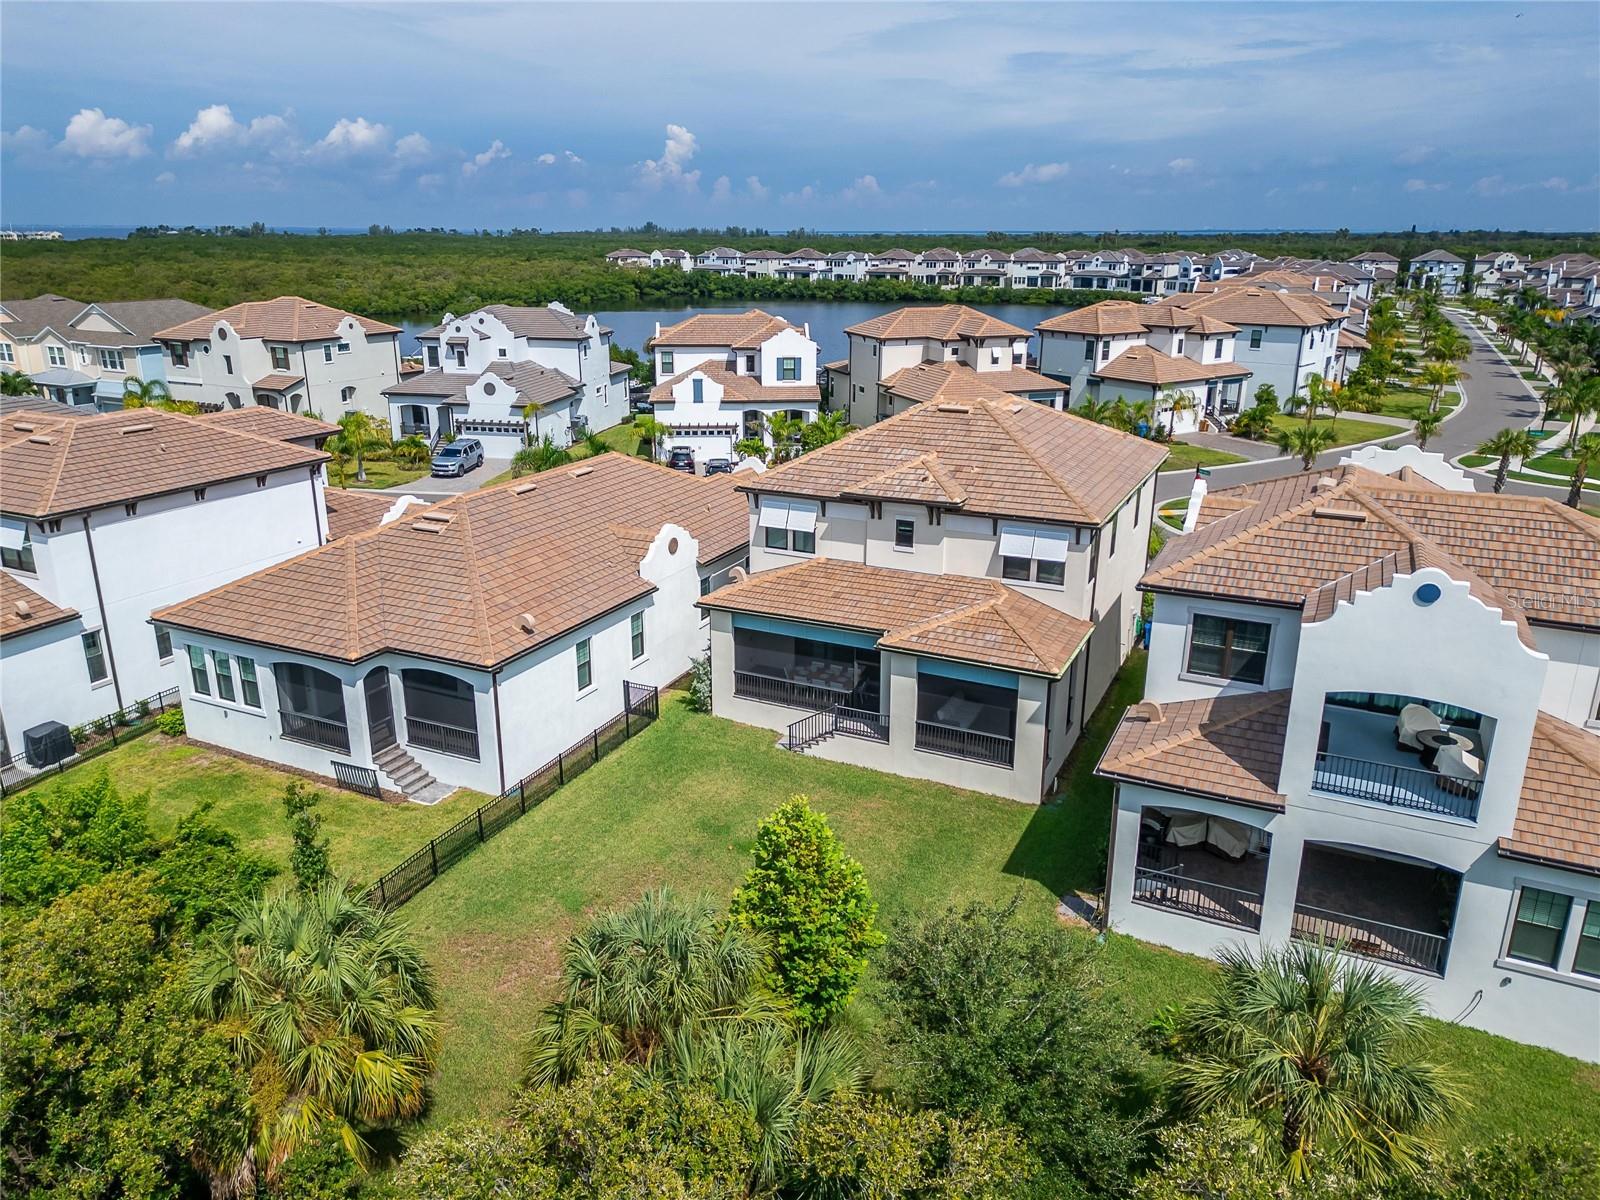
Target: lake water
828, 318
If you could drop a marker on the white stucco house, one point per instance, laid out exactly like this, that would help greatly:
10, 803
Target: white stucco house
289, 353
944, 594
1440, 270
80, 354
477, 640
105, 518
505, 375
723, 376
1389, 741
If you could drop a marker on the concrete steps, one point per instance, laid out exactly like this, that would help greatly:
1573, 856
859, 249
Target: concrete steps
409, 777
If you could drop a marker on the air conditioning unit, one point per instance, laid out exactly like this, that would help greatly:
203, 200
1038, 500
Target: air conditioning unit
46, 744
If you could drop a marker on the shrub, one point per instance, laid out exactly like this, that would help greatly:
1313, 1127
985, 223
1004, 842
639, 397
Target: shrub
700, 683
61, 837
811, 900
309, 857
80, 735
171, 722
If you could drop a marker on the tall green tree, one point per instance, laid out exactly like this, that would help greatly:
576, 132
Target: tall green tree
650, 431
1425, 426
811, 902
360, 435
1437, 376
1305, 441
828, 428
308, 858
1320, 1055
15, 383
1585, 455
145, 393
328, 1006
1506, 445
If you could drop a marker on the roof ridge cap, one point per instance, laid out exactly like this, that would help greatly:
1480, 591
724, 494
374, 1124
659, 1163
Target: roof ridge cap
1562, 733
916, 627
69, 428
1003, 420
1001, 612
480, 609
1277, 518
1260, 702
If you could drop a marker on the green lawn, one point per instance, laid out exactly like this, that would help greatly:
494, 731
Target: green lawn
1411, 403
1346, 430
379, 475
620, 438
366, 836
1184, 457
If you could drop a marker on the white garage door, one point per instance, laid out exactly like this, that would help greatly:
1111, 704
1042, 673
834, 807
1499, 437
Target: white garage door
705, 443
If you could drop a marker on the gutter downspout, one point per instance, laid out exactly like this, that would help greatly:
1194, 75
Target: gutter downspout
317, 509
499, 742
305, 376
1111, 859
105, 620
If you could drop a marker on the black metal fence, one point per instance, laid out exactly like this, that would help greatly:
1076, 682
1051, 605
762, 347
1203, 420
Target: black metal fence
357, 779
113, 728
641, 705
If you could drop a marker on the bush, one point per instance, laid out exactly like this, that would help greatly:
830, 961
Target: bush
171, 722
700, 683
80, 735
309, 858
812, 902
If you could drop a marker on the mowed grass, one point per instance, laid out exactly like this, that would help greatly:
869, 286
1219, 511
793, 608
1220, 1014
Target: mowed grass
620, 438
1346, 430
366, 837
1411, 403
379, 475
1181, 456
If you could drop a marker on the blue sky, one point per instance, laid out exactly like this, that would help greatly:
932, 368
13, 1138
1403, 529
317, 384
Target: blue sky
829, 116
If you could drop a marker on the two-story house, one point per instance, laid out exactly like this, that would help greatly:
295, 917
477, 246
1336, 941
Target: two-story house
908, 337
1034, 268
81, 354
506, 375
1179, 362
1439, 270
475, 641
720, 260
1372, 718
289, 353
104, 518
894, 263
724, 376
1369, 262
944, 595
1284, 336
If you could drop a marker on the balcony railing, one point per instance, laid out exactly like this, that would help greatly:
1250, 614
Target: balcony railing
315, 731
1399, 787
446, 739
771, 689
965, 743
865, 723
1197, 897
1362, 936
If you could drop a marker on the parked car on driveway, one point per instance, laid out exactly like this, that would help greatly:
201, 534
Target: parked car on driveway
681, 458
640, 404
719, 466
459, 457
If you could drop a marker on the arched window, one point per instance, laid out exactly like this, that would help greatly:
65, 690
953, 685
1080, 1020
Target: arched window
441, 712
311, 705
347, 396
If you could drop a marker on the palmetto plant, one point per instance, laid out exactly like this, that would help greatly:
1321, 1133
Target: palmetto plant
145, 393
1506, 445
1425, 426
1318, 1056
1585, 458
786, 431
15, 383
329, 1006
530, 460
828, 428
663, 969
411, 451
1307, 441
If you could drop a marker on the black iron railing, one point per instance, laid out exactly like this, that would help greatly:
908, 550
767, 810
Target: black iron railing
867, 723
1197, 897
965, 743
1399, 787
357, 779
771, 689
315, 731
641, 704
446, 739
1367, 938
99, 735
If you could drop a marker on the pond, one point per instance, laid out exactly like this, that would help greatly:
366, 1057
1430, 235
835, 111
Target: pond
828, 318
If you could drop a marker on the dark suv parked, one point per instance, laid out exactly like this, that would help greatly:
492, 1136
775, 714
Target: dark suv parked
681, 458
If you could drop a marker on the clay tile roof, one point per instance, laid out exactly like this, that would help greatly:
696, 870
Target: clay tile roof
277, 382
1558, 817
1282, 541
49, 468
956, 382
940, 616
453, 583
266, 421
352, 511
1106, 317
1350, 340
533, 383
1146, 364
942, 322
1227, 746
740, 331
1006, 459
740, 387
1248, 305
22, 609
539, 321
286, 319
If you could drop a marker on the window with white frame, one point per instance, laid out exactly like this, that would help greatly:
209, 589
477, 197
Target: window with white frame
16, 552
249, 688
636, 635
666, 362
347, 396
163, 644
433, 356
56, 356
198, 675
344, 347
7, 354
788, 525
219, 661
327, 352
111, 360
1030, 554
1229, 648
585, 670
1255, 339
280, 357
1088, 349
789, 369
94, 655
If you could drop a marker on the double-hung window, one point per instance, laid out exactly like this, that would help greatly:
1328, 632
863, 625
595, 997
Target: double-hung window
788, 369
7, 354
1255, 339
94, 655
249, 689
280, 357
163, 644
327, 352
585, 671
197, 671
56, 356
1088, 349
1033, 555
1216, 348
180, 354
1586, 961
1228, 648
111, 360
20, 557
1537, 928
224, 675
636, 635
666, 363
433, 356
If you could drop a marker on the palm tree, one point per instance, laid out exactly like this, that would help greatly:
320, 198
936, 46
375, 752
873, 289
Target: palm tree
649, 430
145, 393
786, 431
1506, 445
1449, 345
1307, 441
1438, 376
1575, 401
361, 434
1098, 411
328, 1005
530, 419
1585, 458
15, 383
1317, 1054
530, 460
1425, 426
634, 980
1175, 401
828, 428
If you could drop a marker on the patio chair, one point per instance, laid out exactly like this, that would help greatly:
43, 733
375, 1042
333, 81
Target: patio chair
1414, 719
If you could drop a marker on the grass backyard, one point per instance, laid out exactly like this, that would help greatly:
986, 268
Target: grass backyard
379, 475
1181, 456
679, 805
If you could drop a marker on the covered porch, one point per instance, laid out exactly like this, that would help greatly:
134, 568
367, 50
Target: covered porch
1404, 752
805, 666
1383, 907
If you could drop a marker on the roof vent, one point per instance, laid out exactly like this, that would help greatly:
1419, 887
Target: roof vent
522, 489
1145, 710
1324, 482
954, 408
24, 427
582, 471
737, 574
1339, 514
127, 429
24, 609
525, 622
432, 522
41, 439
1016, 408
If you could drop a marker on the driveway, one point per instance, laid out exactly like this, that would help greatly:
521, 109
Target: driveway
1497, 397
429, 488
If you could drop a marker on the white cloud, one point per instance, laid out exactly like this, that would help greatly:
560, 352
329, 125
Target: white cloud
864, 188
1034, 173
92, 134
1423, 185
550, 158
429, 181
804, 196
1493, 185
546, 159
669, 170
757, 189
215, 127
722, 189
1556, 183
348, 138
413, 148
166, 179
24, 139
571, 158
497, 150
1414, 156
1182, 166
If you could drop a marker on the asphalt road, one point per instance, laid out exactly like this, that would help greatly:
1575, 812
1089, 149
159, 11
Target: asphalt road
1497, 397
